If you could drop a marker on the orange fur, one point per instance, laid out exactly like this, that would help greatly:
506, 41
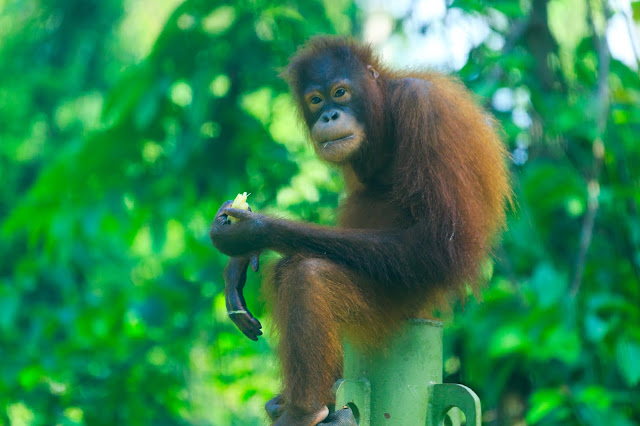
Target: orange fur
426, 198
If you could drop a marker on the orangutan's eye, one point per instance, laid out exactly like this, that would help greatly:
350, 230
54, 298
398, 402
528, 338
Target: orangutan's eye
316, 100
339, 93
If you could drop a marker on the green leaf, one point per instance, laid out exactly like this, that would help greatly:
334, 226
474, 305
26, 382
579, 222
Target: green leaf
628, 359
595, 396
543, 403
635, 7
595, 327
508, 340
30, 376
560, 343
548, 284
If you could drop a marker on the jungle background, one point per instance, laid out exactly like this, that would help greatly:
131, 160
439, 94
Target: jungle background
124, 124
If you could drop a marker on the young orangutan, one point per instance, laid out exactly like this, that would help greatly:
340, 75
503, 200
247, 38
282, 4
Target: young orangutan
427, 183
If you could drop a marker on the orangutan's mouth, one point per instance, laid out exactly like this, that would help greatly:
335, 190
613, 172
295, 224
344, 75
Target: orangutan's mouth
342, 139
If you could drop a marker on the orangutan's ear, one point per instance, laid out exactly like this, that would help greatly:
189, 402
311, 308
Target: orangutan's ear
373, 72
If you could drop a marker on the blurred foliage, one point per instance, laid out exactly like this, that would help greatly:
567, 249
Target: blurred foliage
123, 126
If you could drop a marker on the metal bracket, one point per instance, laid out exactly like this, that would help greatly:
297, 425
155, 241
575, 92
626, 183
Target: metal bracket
355, 394
444, 396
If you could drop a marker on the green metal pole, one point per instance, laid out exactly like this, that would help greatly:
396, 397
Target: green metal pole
401, 384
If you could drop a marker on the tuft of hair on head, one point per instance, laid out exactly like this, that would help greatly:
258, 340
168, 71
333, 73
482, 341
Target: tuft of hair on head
332, 45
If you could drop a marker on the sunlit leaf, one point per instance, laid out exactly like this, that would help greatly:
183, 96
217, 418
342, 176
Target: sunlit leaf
543, 403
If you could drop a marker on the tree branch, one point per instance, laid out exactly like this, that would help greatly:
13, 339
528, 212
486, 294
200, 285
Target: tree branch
593, 186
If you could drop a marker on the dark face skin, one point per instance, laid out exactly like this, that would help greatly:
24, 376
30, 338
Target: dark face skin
331, 100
